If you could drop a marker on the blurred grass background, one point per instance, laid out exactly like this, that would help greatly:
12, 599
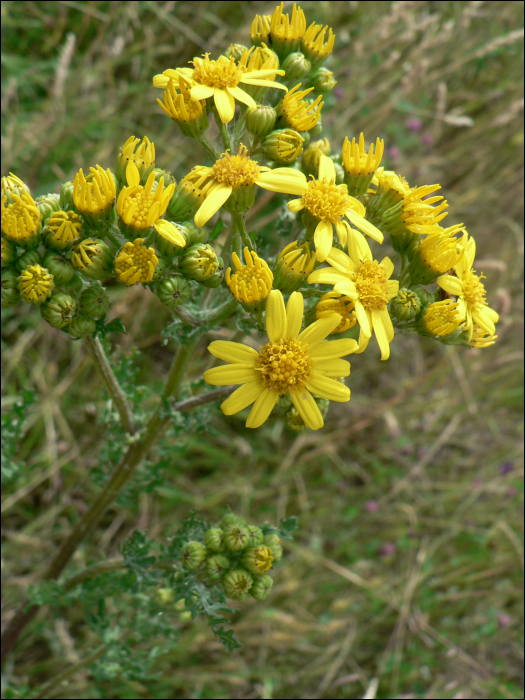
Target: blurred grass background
406, 576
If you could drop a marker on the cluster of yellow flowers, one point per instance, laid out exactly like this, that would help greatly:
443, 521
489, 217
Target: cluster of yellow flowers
143, 227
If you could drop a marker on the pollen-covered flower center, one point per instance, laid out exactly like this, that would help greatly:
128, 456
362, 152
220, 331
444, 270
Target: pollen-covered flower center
236, 171
372, 285
140, 203
474, 290
326, 200
136, 263
217, 74
252, 284
284, 365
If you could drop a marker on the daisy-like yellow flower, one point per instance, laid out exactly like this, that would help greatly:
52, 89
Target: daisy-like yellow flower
313, 43
297, 113
366, 281
470, 292
20, 218
140, 208
330, 204
142, 155
286, 33
234, 175
95, 193
292, 362
359, 165
220, 79
136, 263
442, 318
334, 303
252, 282
189, 114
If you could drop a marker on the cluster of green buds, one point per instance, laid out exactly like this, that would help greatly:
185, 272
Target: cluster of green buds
235, 556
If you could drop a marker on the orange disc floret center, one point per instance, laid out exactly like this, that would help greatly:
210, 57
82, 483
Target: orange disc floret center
284, 365
326, 201
217, 74
136, 263
474, 290
236, 171
372, 285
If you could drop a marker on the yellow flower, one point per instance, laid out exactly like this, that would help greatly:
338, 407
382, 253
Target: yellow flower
96, 192
357, 161
136, 263
292, 362
35, 284
20, 218
63, 229
442, 318
297, 113
178, 105
389, 180
11, 184
140, 208
331, 303
231, 174
368, 283
436, 253
286, 33
470, 292
330, 203
252, 282
260, 29
313, 43
482, 339
416, 213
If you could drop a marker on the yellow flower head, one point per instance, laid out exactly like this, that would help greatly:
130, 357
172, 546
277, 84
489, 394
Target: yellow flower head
388, 180
442, 318
231, 173
297, 113
252, 282
136, 263
482, 339
357, 161
293, 266
313, 43
286, 33
470, 292
330, 204
331, 303
64, 228
143, 157
260, 58
140, 208
179, 106
260, 29
96, 192
366, 281
292, 362
11, 184
441, 251
418, 215
35, 284
312, 156
20, 217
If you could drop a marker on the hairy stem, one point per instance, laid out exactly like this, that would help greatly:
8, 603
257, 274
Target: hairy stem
223, 131
239, 228
210, 151
100, 360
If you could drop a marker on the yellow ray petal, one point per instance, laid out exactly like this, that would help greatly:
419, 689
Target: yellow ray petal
132, 174
170, 232
230, 374
295, 205
365, 226
333, 367
225, 104
328, 388
201, 92
362, 319
323, 239
307, 409
334, 348
294, 314
262, 408
381, 331
326, 169
275, 316
279, 181
213, 202
340, 260
242, 96
233, 352
242, 397
450, 284
319, 330
388, 267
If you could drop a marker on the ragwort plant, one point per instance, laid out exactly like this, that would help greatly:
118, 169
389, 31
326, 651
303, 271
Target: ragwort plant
140, 225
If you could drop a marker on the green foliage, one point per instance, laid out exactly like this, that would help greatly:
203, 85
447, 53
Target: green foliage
13, 423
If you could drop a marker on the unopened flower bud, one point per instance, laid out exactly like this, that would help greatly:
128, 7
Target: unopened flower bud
317, 130
165, 596
405, 306
47, 205
94, 301
331, 303
30, 257
213, 539
35, 284
260, 120
66, 195
192, 555
236, 51
258, 560
63, 230
296, 66
230, 519
94, 195
21, 220
262, 587
93, 259
142, 153
425, 298
81, 326
312, 156
59, 310
61, 269
8, 252
255, 535
237, 584
283, 146
135, 263
323, 80
173, 291
274, 543
216, 566
200, 263
10, 293
188, 196
236, 538
292, 267
11, 184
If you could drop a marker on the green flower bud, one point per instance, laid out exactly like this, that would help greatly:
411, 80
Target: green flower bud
230, 519
8, 252
61, 269
165, 596
188, 196
255, 535
63, 230
167, 177
237, 584
10, 293
258, 560
260, 119
35, 284
94, 301
66, 195
174, 291
283, 146
240, 200
169, 249
425, 298
76, 284
47, 205
262, 587
296, 66
192, 555
30, 257
236, 51
81, 326
274, 543
213, 539
200, 263
59, 310
93, 259
236, 538
312, 156
323, 80
185, 616
294, 420
217, 566
339, 173
317, 129
405, 306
